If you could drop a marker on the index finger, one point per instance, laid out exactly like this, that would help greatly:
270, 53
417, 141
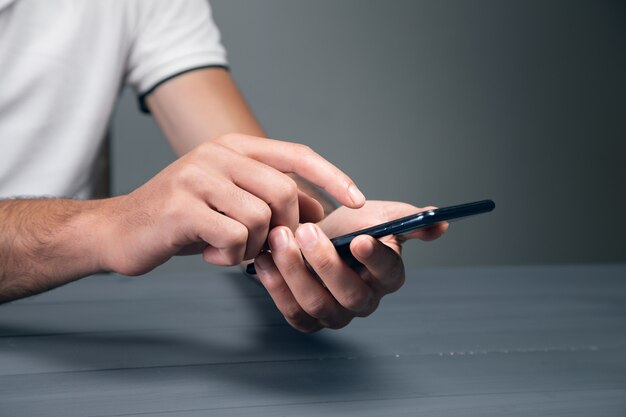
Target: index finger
299, 159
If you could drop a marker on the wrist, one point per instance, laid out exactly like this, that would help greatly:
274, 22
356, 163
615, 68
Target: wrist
79, 238
89, 235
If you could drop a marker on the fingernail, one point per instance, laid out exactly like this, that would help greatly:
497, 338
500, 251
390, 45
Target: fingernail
263, 263
279, 240
356, 195
306, 235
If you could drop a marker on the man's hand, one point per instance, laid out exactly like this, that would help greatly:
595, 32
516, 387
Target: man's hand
220, 199
334, 294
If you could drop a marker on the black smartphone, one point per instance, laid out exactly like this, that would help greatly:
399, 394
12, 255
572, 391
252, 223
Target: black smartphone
405, 225
411, 223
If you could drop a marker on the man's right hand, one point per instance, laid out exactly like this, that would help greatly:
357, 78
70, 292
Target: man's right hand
220, 199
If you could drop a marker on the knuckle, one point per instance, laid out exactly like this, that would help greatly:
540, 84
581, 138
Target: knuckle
324, 264
299, 319
358, 301
189, 176
209, 153
305, 154
287, 190
317, 307
272, 284
372, 306
303, 150
291, 268
294, 314
260, 217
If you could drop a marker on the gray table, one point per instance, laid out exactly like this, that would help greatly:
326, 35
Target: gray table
495, 341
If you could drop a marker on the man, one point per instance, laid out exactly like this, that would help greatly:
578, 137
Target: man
63, 63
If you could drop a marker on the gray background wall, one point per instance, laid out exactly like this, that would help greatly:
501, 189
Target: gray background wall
440, 102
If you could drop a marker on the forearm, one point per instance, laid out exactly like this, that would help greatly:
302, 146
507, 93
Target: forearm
44, 243
199, 106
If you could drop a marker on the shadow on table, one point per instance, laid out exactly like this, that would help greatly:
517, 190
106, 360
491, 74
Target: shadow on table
273, 358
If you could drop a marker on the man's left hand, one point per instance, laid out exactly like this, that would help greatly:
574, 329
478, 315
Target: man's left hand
327, 292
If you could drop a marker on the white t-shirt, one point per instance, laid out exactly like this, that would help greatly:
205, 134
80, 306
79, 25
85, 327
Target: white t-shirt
62, 65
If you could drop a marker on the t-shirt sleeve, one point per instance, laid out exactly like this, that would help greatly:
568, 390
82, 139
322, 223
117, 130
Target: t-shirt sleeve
171, 38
